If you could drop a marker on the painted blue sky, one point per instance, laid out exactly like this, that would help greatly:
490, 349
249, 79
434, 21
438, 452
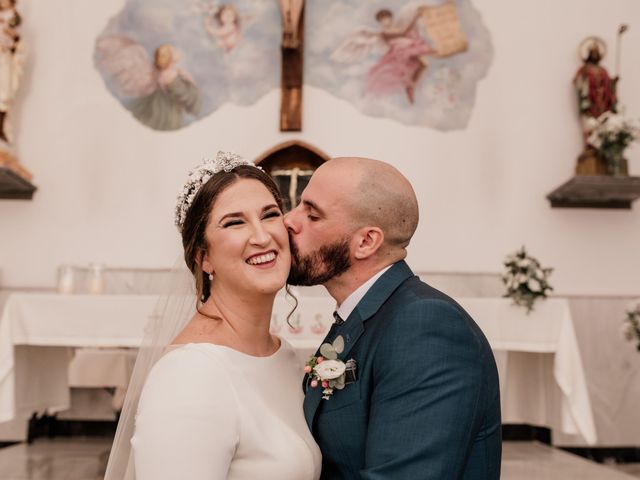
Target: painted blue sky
444, 95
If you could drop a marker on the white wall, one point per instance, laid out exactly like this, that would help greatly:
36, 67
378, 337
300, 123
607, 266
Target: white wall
107, 184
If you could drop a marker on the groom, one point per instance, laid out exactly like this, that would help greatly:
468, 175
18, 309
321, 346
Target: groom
425, 402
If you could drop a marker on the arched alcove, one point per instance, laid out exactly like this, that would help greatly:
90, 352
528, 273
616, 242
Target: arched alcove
291, 165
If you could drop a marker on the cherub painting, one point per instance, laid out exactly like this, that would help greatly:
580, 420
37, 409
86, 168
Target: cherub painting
416, 61
161, 93
224, 26
224, 23
172, 63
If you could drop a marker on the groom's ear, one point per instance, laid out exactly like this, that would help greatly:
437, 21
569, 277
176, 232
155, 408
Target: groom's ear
368, 241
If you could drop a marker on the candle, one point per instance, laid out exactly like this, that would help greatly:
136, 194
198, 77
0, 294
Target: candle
65, 279
95, 282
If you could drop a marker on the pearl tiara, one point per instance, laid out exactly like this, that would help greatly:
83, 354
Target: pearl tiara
198, 176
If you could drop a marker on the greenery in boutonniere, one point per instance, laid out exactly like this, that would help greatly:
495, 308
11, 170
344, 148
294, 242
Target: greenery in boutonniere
525, 279
632, 324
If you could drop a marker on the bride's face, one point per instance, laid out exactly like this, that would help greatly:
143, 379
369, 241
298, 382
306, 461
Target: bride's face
248, 242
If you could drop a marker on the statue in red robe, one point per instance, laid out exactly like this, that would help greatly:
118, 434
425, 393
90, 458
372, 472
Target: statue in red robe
596, 90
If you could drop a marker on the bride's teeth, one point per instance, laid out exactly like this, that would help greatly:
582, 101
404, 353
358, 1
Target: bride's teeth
262, 259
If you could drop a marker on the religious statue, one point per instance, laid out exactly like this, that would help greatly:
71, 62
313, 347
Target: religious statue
291, 11
595, 88
11, 61
11, 68
597, 107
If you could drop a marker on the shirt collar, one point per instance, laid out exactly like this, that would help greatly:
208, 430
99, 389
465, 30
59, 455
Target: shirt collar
351, 302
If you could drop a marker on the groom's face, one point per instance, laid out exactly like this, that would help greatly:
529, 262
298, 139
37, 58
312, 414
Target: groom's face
319, 230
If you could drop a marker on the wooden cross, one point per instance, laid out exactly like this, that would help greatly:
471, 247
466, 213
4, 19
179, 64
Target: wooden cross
292, 55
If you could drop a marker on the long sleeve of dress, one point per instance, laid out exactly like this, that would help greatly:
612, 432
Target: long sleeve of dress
187, 422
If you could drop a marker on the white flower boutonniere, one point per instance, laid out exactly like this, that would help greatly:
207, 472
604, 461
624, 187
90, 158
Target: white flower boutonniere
326, 370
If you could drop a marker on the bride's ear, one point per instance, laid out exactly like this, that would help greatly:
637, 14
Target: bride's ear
203, 261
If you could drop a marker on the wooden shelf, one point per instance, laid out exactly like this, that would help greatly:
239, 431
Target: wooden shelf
596, 191
13, 186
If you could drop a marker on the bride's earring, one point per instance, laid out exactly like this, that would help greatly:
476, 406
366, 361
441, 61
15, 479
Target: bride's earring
211, 276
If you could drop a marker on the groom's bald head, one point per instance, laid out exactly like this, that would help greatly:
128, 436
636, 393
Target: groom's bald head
356, 216
376, 194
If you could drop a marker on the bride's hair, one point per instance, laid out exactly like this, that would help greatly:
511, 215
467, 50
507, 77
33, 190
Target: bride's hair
194, 241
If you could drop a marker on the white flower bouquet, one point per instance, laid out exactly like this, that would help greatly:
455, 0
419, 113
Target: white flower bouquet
612, 129
632, 324
610, 134
525, 279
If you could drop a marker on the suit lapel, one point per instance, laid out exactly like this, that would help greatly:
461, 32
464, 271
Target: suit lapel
313, 396
311, 402
382, 290
353, 328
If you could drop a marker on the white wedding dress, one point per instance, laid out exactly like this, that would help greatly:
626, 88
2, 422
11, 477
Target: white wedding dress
209, 412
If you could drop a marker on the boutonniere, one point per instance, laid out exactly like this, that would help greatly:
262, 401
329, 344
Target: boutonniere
326, 370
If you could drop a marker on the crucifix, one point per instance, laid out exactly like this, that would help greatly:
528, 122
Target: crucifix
292, 54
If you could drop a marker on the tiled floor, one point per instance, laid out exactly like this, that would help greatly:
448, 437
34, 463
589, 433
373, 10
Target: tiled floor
630, 468
526, 460
85, 459
58, 459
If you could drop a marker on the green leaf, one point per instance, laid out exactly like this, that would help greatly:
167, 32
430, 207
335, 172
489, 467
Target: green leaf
338, 344
328, 352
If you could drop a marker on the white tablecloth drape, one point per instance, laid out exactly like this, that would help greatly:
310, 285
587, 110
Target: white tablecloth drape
531, 349
541, 372
51, 320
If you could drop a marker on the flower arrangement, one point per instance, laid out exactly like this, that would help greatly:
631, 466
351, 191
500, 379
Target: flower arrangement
610, 134
632, 324
525, 279
326, 370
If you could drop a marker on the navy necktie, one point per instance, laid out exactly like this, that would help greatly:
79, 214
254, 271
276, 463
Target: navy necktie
334, 328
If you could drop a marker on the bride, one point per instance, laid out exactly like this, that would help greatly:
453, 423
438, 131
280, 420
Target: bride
223, 398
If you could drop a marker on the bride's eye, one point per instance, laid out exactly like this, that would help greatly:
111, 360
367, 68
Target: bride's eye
232, 223
272, 214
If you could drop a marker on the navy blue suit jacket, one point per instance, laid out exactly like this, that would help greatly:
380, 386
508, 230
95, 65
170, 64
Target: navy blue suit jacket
426, 402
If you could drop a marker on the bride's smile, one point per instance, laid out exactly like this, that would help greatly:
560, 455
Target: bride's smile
263, 260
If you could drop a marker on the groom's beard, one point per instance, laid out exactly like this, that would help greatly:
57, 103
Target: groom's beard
320, 266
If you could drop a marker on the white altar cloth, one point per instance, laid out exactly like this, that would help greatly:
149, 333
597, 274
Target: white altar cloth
53, 320
531, 349
541, 372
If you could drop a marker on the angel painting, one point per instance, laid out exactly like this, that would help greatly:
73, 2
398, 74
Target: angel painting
223, 23
158, 92
404, 52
